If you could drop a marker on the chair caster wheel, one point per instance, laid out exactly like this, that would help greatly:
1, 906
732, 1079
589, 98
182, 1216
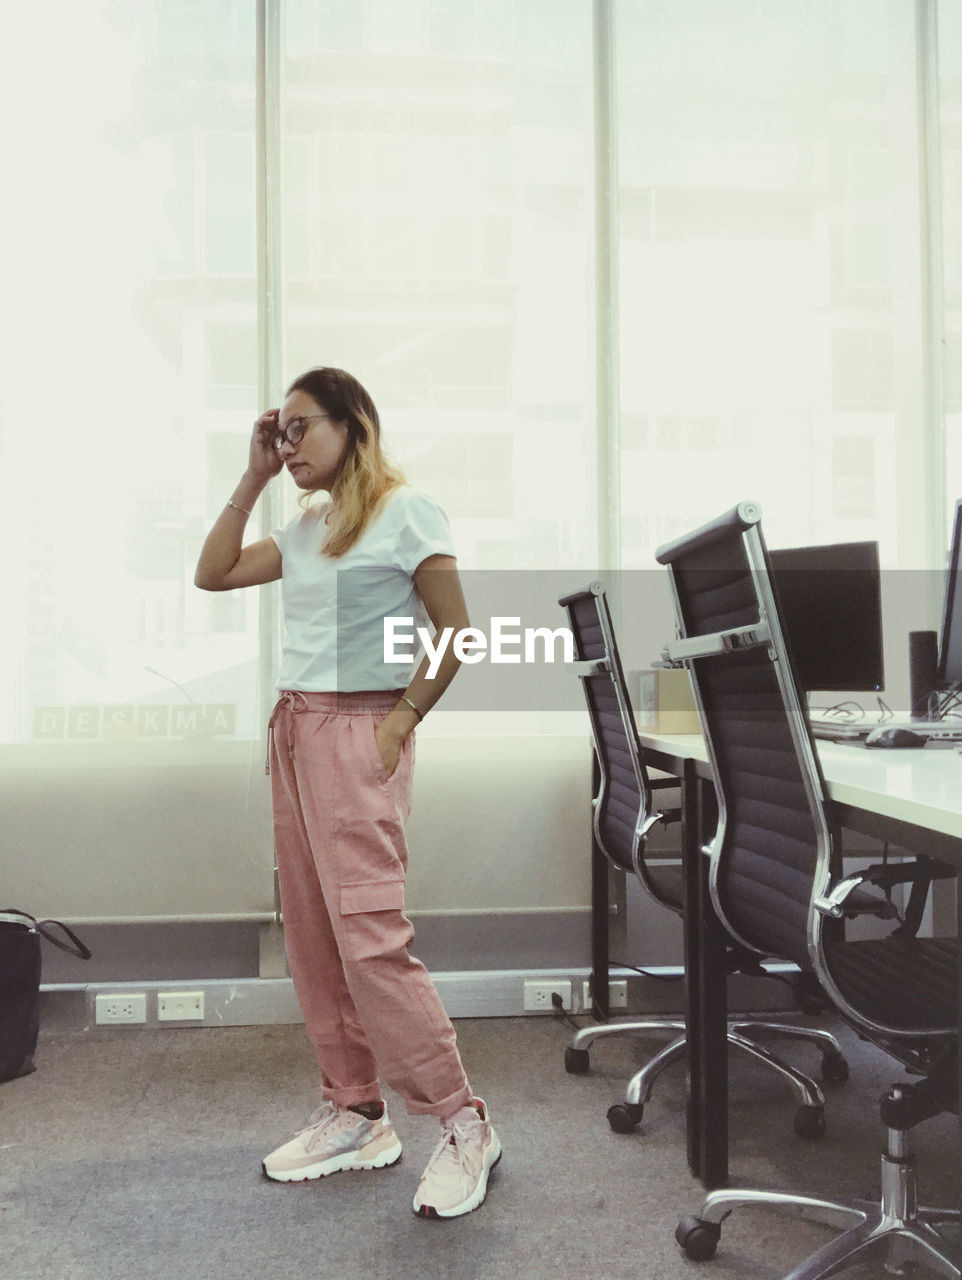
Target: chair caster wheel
834, 1068
698, 1238
810, 1122
625, 1116
577, 1061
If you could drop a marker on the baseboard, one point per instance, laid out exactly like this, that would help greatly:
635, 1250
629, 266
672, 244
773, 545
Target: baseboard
497, 993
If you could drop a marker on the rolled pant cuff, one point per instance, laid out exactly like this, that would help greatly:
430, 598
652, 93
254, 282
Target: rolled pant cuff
444, 1109
352, 1097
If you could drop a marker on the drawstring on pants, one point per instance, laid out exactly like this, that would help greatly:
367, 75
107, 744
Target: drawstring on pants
377, 702
295, 701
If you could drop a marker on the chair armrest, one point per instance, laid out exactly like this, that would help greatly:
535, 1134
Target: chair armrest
685, 650
666, 816
849, 897
921, 868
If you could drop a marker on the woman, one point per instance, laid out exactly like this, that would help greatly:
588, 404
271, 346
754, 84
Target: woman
341, 757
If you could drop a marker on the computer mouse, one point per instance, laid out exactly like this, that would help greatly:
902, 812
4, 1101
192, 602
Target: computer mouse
895, 738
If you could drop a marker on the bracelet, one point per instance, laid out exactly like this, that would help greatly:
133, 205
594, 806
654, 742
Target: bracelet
419, 714
241, 509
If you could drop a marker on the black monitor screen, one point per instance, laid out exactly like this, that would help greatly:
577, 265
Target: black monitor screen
950, 646
831, 603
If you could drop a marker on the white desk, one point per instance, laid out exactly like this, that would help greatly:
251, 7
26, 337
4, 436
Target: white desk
912, 797
919, 785
876, 788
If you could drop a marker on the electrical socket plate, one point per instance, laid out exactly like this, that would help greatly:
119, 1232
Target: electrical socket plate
537, 995
117, 1009
617, 994
180, 1006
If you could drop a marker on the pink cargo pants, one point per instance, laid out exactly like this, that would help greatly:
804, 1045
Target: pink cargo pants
368, 1004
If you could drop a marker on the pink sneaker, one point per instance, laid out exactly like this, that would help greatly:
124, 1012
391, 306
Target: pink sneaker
456, 1179
334, 1139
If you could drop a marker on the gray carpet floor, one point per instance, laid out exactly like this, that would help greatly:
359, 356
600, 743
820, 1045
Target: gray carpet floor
133, 1154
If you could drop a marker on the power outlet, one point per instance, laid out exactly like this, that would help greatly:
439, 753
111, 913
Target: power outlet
617, 994
115, 1010
180, 1006
538, 996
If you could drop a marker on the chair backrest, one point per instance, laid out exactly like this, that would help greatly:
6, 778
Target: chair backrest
773, 842
623, 812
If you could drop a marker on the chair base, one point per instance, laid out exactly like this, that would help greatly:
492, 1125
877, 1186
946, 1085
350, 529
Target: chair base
810, 1116
895, 1229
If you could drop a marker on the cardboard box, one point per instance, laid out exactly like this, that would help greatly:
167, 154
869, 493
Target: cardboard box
665, 703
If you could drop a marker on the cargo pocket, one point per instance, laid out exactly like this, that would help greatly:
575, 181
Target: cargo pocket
373, 895
374, 925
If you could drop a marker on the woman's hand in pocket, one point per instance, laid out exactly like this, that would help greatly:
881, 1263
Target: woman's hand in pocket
391, 733
389, 743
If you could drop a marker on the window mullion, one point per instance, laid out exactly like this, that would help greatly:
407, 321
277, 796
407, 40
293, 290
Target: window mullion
269, 76
607, 390
933, 298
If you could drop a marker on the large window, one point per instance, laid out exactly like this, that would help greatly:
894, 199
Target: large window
438, 239
439, 203
771, 277
129, 360
128, 353
949, 173
788, 327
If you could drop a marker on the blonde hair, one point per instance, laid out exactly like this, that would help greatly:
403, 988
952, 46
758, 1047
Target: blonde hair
365, 476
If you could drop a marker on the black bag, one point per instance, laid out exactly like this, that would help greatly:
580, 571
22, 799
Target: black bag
20, 936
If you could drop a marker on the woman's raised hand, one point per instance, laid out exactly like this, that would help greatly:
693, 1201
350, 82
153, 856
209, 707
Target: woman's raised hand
265, 462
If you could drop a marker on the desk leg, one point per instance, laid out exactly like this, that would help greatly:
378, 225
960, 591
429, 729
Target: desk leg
706, 992
600, 918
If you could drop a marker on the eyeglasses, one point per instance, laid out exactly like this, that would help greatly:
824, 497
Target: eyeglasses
293, 433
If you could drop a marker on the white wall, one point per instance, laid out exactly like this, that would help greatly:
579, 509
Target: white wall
499, 824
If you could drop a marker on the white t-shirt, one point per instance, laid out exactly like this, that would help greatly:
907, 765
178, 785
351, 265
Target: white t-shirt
334, 608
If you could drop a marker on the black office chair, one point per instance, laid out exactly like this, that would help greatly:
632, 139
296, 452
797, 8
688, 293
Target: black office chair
623, 817
777, 885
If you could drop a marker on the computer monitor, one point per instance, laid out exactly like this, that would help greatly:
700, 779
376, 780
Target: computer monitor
831, 603
950, 643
